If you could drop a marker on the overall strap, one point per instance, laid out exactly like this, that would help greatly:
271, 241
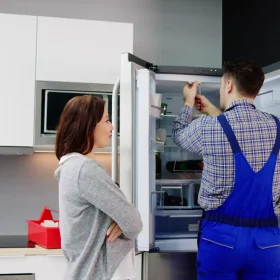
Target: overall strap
277, 140
230, 134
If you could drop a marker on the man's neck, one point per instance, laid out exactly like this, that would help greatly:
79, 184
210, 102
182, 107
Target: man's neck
237, 98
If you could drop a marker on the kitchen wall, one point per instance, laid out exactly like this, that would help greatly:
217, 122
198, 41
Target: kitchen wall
27, 184
177, 32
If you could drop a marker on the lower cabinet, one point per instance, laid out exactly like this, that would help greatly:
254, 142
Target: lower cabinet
138, 266
50, 267
17, 264
46, 267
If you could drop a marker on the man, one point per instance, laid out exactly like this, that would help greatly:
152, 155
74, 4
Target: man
240, 186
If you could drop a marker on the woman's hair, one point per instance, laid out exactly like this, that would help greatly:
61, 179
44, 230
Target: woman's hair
76, 125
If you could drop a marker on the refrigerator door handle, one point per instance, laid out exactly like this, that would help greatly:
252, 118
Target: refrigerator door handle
115, 130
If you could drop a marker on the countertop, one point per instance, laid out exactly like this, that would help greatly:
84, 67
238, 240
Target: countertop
38, 250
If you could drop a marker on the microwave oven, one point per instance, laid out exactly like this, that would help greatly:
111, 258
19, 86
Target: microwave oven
51, 98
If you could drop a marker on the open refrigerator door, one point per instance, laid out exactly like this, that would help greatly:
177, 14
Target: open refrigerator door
158, 177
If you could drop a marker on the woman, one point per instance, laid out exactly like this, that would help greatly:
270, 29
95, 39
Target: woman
98, 225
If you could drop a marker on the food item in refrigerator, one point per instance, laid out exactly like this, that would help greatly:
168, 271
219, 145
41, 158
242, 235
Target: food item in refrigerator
158, 166
173, 200
184, 166
163, 108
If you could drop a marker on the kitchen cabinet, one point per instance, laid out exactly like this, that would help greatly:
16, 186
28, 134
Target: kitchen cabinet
138, 266
54, 267
17, 264
50, 267
72, 50
17, 79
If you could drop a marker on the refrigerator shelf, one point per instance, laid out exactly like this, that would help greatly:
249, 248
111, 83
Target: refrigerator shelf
179, 181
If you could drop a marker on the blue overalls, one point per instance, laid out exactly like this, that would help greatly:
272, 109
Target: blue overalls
241, 238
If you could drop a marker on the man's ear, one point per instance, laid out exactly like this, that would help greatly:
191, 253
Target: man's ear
229, 86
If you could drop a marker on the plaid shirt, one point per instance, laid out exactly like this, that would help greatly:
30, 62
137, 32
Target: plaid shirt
255, 132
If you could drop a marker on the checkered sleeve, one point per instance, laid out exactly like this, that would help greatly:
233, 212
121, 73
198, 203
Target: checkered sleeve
187, 133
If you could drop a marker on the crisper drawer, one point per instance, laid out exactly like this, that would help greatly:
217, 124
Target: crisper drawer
177, 197
177, 224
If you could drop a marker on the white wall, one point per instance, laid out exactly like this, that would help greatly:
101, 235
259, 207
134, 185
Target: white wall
167, 32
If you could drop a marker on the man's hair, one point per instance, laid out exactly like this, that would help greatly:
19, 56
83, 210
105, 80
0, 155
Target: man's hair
248, 76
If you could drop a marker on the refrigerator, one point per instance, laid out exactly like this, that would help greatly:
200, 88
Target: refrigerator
155, 174
167, 201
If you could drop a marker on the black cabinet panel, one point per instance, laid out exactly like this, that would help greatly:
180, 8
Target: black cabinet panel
251, 29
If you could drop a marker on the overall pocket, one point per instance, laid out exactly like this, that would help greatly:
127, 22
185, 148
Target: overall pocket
216, 252
267, 240
219, 238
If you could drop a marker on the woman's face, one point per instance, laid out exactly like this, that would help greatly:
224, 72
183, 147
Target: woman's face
103, 132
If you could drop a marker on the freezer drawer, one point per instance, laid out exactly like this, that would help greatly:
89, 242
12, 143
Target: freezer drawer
177, 245
177, 197
177, 224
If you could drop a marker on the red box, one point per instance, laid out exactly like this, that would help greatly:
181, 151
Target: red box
46, 237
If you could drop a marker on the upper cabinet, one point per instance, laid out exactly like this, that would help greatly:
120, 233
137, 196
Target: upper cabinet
17, 79
71, 50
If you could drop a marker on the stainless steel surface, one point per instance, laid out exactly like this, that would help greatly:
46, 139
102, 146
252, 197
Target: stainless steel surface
169, 266
46, 142
18, 277
115, 130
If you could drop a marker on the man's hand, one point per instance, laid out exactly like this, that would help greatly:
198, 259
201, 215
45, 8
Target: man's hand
190, 91
203, 105
113, 232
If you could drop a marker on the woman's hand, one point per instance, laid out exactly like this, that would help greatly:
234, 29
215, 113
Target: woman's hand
113, 232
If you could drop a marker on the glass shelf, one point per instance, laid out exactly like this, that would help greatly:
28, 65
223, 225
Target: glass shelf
158, 146
170, 116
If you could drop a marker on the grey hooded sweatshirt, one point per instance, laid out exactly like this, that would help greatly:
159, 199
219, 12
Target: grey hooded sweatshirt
89, 201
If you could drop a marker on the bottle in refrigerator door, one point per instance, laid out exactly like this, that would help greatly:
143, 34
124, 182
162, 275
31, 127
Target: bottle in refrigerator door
163, 108
158, 166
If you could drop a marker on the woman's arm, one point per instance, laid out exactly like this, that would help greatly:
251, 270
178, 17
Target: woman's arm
96, 186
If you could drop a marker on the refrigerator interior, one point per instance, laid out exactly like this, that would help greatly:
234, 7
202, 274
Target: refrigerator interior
176, 209
167, 188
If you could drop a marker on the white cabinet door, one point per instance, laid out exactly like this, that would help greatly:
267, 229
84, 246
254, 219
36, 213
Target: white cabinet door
72, 50
138, 266
50, 267
17, 264
17, 79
